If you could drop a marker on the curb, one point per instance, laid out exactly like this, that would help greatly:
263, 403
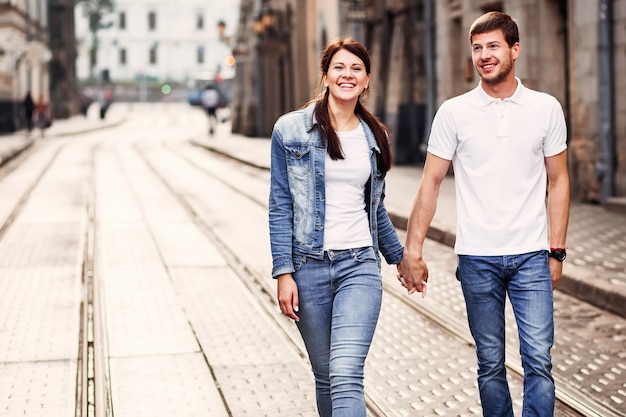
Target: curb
89, 129
227, 154
575, 280
5, 157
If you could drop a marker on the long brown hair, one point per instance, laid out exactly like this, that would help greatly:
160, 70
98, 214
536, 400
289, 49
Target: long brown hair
381, 133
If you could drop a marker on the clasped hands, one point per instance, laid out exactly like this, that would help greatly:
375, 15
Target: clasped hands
413, 274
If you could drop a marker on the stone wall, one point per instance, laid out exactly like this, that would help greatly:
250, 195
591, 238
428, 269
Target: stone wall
559, 55
619, 63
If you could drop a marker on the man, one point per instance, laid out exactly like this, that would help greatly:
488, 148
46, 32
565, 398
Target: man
210, 101
29, 109
507, 144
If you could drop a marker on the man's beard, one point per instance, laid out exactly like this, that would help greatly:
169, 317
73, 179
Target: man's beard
506, 70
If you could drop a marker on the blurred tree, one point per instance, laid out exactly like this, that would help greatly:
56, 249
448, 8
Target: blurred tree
96, 11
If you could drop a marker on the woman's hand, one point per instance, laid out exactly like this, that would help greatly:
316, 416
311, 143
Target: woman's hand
413, 274
287, 295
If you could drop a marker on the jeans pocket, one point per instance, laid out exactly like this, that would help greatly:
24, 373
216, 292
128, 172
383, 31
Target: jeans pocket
364, 255
298, 262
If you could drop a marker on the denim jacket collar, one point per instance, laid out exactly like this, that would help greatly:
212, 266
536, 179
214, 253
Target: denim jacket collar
308, 114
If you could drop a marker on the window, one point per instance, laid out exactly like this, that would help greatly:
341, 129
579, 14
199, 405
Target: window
122, 21
199, 21
153, 55
152, 21
200, 55
122, 56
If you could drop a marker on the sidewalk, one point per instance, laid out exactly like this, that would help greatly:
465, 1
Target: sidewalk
13, 144
595, 270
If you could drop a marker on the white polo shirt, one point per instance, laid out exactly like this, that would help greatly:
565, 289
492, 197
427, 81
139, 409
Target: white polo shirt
497, 148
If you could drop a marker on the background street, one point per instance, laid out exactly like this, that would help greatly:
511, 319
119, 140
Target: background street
135, 278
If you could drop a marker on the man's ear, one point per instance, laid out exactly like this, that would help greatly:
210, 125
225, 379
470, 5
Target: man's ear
517, 48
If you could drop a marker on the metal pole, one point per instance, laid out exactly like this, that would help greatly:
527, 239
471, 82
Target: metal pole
606, 162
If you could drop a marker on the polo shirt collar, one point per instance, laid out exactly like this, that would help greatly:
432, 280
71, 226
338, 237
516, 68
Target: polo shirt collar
485, 99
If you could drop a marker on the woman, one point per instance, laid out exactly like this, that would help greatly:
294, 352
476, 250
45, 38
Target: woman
328, 224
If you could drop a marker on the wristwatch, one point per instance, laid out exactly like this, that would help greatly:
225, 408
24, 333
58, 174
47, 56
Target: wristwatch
558, 253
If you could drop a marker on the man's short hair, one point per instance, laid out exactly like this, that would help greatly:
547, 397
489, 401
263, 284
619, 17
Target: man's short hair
493, 21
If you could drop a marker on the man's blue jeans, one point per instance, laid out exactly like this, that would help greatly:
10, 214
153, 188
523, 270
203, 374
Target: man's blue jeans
486, 281
340, 299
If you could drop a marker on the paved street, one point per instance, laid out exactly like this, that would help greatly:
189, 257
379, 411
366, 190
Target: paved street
134, 280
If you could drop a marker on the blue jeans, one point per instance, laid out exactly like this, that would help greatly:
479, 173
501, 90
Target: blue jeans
340, 299
486, 281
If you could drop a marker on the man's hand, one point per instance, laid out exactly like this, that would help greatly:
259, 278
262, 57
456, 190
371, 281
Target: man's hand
556, 272
413, 274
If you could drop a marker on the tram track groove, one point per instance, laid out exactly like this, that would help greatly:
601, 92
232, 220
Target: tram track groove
85, 395
25, 195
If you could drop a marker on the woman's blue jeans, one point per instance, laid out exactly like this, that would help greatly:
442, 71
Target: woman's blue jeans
486, 281
340, 299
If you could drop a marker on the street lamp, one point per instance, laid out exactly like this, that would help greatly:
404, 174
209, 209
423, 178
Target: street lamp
265, 22
268, 18
221, 29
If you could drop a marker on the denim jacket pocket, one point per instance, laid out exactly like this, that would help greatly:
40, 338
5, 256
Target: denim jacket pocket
298, 159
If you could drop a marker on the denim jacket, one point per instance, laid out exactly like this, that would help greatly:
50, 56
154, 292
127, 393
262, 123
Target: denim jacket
297, 201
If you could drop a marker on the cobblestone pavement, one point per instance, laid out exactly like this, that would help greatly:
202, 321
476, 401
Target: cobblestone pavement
159, 366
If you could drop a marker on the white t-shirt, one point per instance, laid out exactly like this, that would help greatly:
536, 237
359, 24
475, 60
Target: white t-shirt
498, 150
346, 225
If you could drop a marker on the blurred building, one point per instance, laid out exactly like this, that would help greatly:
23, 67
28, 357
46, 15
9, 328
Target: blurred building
277, 47
24, 58
159, 41
421, 56
62, 65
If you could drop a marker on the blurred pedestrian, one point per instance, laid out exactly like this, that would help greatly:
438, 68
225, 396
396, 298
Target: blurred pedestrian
85, 102
106, 98
507, 146
29, 109
211, 99
328, 223
43, 118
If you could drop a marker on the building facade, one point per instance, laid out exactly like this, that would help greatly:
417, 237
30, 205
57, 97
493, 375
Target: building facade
24, 58
157, 40
421, 56
277, 46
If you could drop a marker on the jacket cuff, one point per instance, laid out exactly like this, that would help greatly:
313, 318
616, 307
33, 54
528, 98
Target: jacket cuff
282, 269
395, 257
